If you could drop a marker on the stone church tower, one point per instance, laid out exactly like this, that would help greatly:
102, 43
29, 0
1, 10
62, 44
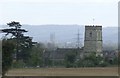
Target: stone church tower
93, 40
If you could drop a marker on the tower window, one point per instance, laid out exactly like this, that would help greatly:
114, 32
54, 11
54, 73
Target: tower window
90, 34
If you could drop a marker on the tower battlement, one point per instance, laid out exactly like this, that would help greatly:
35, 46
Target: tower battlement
93, 27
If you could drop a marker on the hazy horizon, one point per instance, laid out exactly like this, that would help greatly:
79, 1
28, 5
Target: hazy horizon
1, 25
41, 33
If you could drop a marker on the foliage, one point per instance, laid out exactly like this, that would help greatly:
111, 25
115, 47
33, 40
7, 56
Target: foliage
23, 43
58, 63
16, 47
8, 47
16, 30
112, 61
92, 61
70, 59
48, 63
115, 60
18, 64
36, 56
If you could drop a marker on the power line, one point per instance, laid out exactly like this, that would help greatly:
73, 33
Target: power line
78, 39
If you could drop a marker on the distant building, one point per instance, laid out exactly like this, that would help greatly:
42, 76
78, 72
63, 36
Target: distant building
92, 43
59, 53
110, 54
93, 40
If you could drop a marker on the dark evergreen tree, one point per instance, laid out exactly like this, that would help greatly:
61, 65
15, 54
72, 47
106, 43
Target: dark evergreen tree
23, 43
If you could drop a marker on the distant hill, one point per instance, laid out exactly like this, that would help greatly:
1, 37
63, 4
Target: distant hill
67, 33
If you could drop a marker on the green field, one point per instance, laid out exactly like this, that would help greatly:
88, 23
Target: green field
107, 71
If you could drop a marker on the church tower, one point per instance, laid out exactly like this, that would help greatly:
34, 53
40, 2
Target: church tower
93, 40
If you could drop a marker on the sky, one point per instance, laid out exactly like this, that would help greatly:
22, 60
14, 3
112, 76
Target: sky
39, 12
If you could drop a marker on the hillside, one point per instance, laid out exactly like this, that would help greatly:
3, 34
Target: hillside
67, 33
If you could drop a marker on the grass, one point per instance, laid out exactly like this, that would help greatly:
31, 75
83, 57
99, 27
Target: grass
98, 71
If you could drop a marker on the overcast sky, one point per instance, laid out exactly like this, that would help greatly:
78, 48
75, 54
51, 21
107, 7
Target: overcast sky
81, 12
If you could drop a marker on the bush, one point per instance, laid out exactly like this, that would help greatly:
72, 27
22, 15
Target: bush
92, 61
69, 65
18, 64
103, 64
70, 59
